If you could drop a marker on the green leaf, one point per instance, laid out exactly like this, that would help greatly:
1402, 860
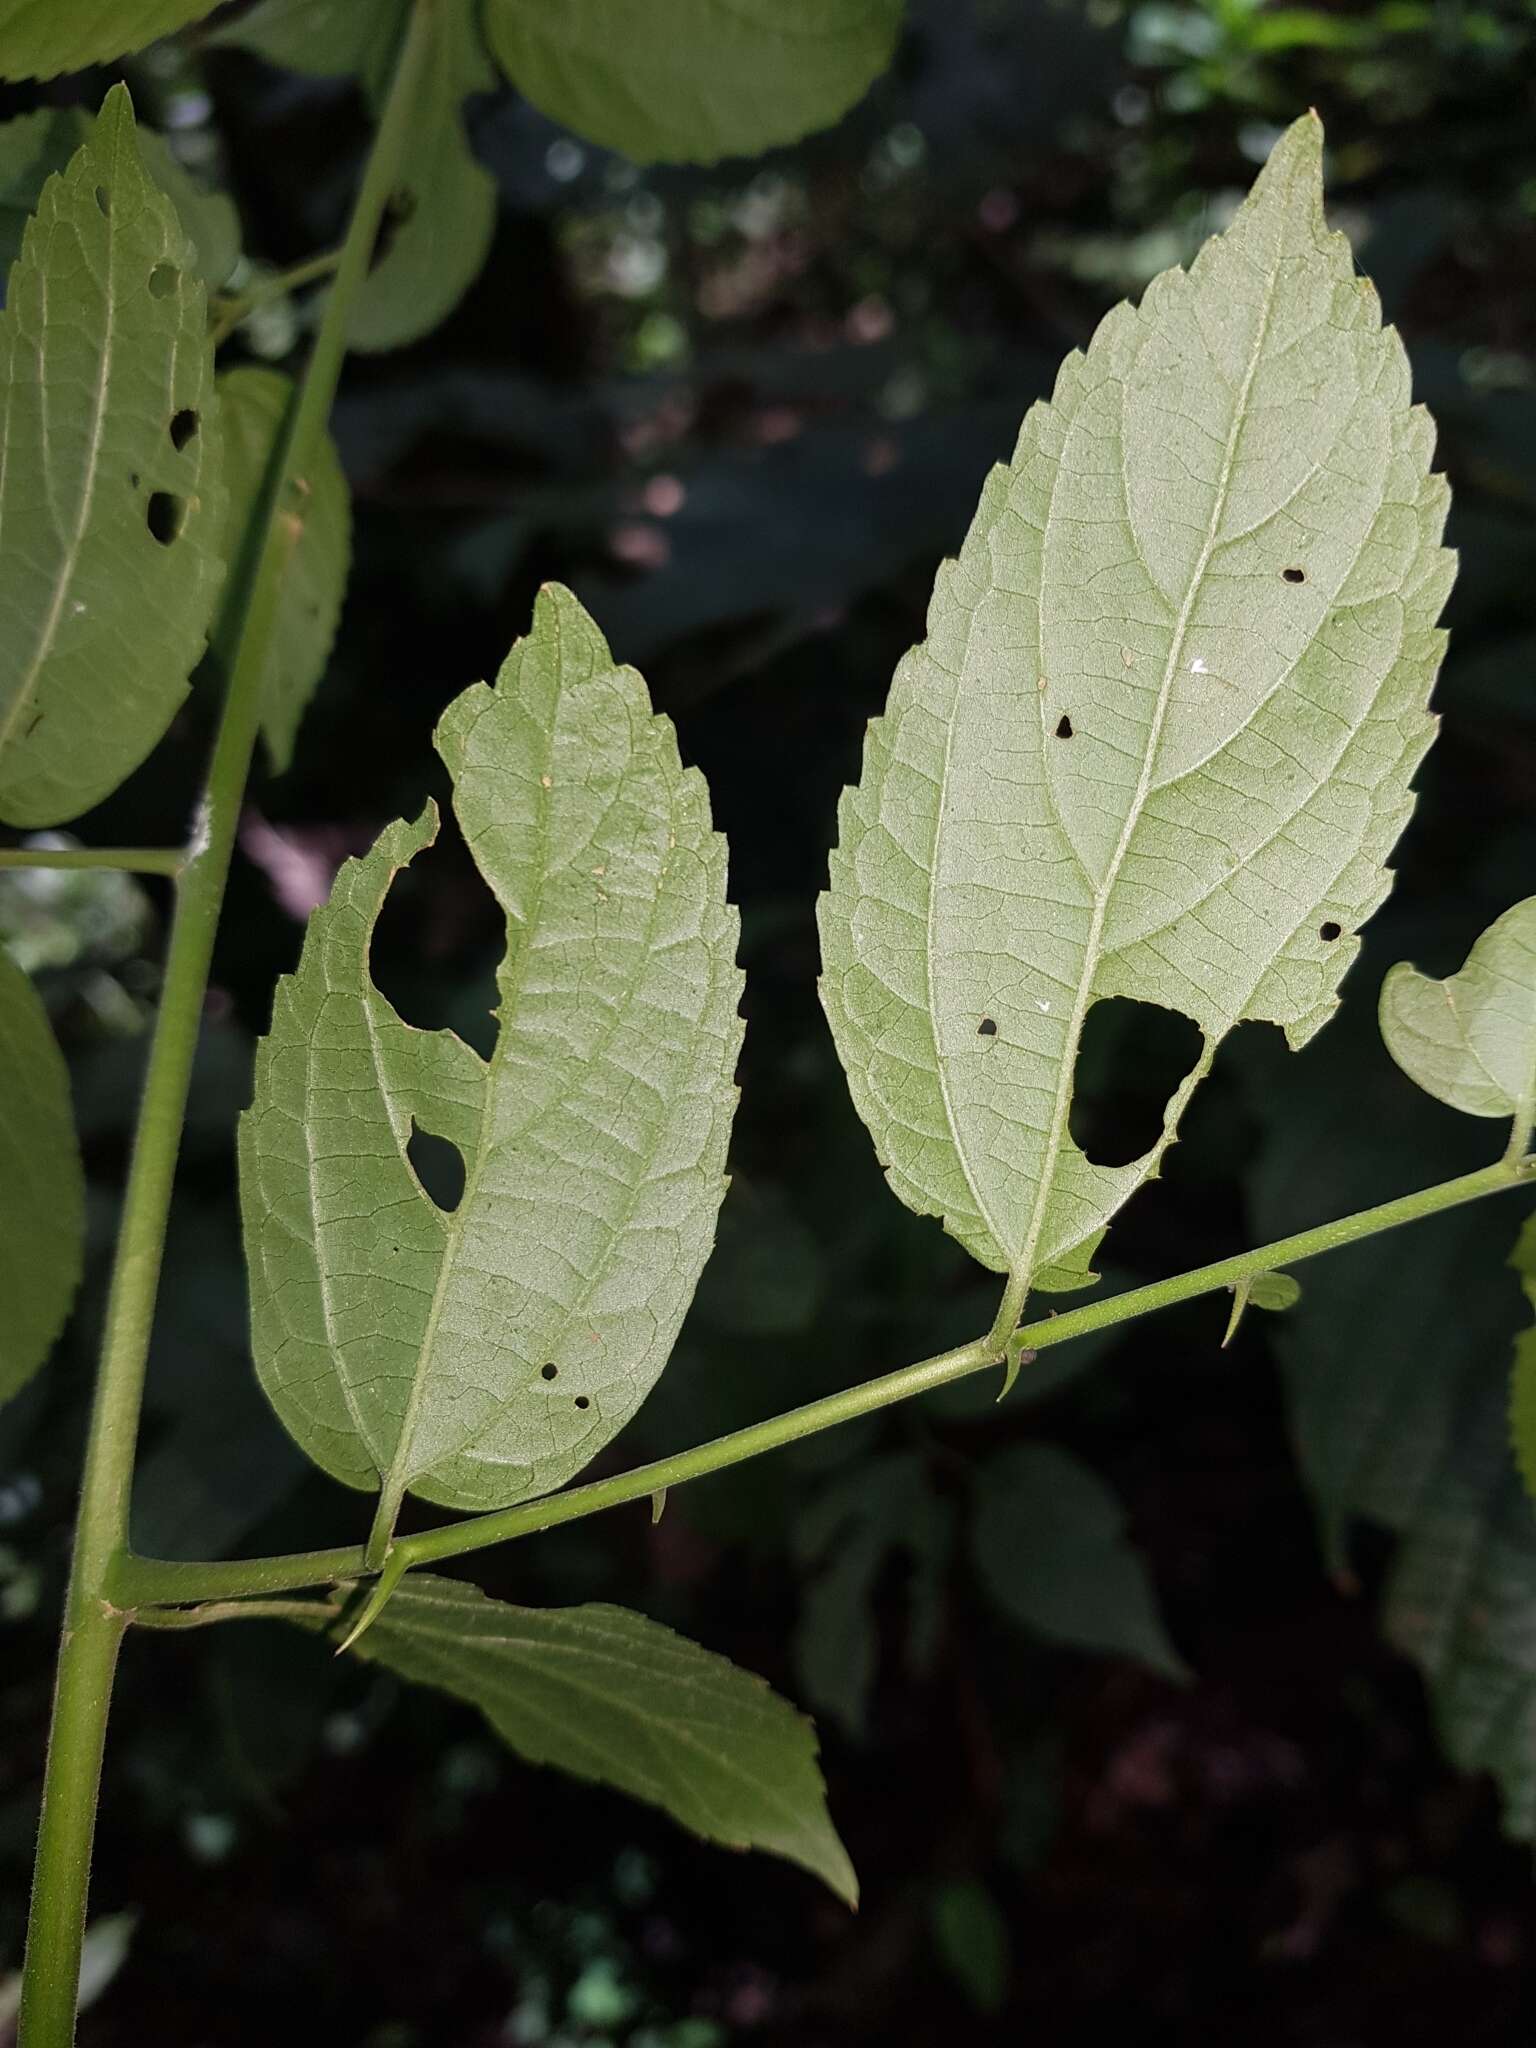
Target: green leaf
971, 1936
444, 214
1470, 1040
42, 1187
1158, 742
445, 211
612, 1697
1522, 1381
1273, 1291
110, 504
480, 1357
34, 146
41, 38
253, 404
1051, 1550
723, 78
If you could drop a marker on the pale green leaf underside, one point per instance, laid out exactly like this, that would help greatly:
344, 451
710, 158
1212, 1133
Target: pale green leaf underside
1470, 1040
326, 38
42, 1188
1051, 1549
719, 78
611, 1697
252, 406
34, 146
409, 1349
108, 420
439, 244
41, 38
1133, 757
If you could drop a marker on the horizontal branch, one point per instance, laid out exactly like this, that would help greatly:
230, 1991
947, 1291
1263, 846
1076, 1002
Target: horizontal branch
139, 1580
132, 860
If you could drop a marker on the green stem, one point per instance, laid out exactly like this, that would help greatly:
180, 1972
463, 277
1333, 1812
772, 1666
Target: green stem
234, 307
92, 1627
131, 860
311, 1613
143, 1580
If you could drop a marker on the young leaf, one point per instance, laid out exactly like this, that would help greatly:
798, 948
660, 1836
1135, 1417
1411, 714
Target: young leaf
1273, 1291
612, 1697
718, 79
110, 504
479, 1357
1470, 1040
253, 404
41, 38
444, 214
1051, 1550
42, 1188
1159, 739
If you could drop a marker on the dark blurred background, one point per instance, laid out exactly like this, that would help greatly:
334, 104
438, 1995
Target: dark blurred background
1193, 1779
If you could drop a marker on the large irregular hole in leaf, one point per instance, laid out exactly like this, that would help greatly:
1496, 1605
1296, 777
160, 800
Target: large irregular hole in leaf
1131, 1059
163, 516
439, 915
163, 280
438, 1165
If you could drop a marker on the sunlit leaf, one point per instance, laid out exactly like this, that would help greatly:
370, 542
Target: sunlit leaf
1470, 1040
1051, 1549
1158, 742
480, 1356
610, 1696
718, 78
253, 404
41, 38
42, 1188
110, 504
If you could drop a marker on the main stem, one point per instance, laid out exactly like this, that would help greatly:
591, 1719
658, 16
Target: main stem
142, 1581
93, 1624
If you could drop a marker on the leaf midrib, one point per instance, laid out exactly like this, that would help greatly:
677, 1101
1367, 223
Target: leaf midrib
1023, 1265
28, 687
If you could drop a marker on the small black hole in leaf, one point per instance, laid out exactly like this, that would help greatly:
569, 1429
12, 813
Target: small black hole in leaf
439, 1166
582, 1401
402, 204
133, 479
104, 200
987, 1028
1130, 1059
183, 427
163, 280
548, 1372
1064, 727
1330, 931
163, 515
1294, 575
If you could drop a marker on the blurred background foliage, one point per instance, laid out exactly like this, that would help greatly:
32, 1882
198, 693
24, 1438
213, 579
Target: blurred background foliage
1142, 1695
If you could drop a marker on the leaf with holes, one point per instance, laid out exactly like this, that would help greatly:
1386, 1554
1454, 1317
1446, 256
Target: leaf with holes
482, 1356
110, 505
440, 224
41, 38
42, 1188
1157, 744
619, 1700
33, 146
724, 78
1470, 1040
252, 406
1051, 1550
